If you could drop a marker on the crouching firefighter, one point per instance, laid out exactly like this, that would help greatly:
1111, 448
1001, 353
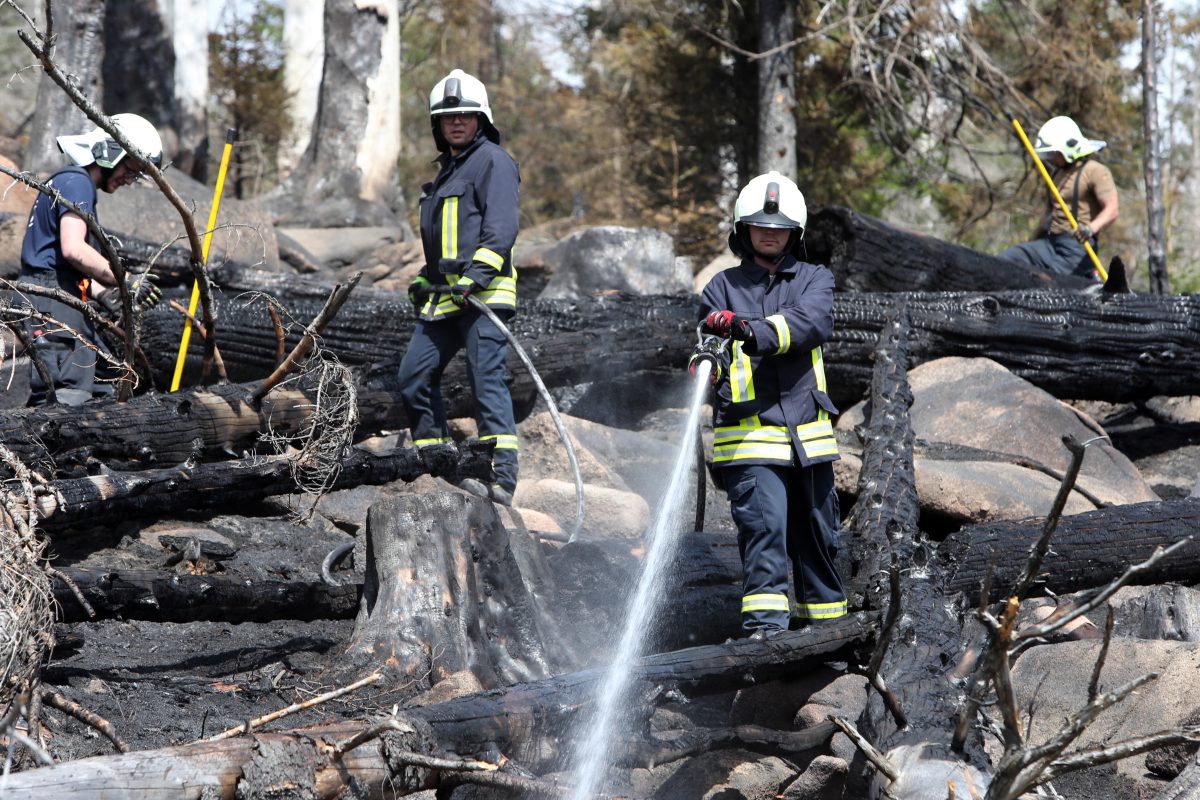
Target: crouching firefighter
468, 227
774, 445
59, 252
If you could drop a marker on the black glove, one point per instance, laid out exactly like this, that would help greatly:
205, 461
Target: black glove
460, 291
1084, 233
143, 290
729, 325
418, 290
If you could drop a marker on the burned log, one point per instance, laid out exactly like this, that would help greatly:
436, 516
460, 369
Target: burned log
909, 720
111, 496
1073, 345
445, 594
1090, 549
524, 721
867, 254
173, 597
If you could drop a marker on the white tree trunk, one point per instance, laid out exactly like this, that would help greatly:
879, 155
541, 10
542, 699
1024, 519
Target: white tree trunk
380, 144
304, 48
1152, 166
190, 43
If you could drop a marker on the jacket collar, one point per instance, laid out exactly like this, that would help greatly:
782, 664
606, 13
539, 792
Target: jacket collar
759, 274
447, 159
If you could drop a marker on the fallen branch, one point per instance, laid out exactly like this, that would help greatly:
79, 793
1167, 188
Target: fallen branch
250, 725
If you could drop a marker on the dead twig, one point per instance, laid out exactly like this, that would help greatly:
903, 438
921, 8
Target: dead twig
878, 759
246, 727
89, 718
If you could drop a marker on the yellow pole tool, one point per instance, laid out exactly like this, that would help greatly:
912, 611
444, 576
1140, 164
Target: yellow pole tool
230, 136
1061, 203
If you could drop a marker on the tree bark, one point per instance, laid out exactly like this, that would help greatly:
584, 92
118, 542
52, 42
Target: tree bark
86, 502
1152, 160
444, 593
1089, 549
304, 55
869, 255
777, 87
526, 718
351, 155
78, 27
1075, 346
164, 596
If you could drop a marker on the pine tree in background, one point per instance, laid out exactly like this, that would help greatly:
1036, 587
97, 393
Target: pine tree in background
246, 73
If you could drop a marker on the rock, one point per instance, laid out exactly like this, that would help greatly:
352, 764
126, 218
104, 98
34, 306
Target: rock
1054, 679
845, 696
245, 232
341, 246
774, 704
607, 512
611, 258
543, 454
1170, 761
823, 780
978, 403
718, 264
728, 775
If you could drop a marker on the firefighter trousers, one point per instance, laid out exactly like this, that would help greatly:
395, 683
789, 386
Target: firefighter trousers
786, 516
430, 350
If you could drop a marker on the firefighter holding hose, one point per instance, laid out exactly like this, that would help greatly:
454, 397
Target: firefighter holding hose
774, 447
469, 221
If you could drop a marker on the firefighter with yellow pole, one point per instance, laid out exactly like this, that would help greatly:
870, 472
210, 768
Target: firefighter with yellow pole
1082, 201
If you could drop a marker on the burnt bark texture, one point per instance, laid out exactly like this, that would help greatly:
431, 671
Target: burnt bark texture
444, 593
524, 721
114, 496
922, 640
1075, 346
79, 49
869, 255
164, 596
887, 506
329, 190
1088, 550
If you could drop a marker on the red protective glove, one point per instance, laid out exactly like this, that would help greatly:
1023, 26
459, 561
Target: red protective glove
729, 325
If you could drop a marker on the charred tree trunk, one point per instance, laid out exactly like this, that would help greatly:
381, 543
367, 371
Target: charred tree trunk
869, 255
85, 502
1089, 550
526, 720
444, 594
172, 597
912, 723
1075, 346
78, 27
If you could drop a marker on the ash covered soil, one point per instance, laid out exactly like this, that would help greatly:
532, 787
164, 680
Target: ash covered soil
166, 683
163, 683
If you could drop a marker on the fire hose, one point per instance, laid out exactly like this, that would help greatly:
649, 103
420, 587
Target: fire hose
708, 348
482, 308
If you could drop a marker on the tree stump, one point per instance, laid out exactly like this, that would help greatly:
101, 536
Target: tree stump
444, 593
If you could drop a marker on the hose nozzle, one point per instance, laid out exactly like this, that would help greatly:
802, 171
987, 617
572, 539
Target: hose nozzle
708, 348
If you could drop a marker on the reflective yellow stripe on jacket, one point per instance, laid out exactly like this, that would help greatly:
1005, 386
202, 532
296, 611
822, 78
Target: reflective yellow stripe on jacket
750, 440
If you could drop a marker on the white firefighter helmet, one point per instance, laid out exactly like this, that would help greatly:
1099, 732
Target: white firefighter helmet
97, 147
458, 93
772, 200
1062, 135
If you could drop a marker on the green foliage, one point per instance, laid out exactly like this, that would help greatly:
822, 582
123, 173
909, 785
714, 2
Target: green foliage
248, 92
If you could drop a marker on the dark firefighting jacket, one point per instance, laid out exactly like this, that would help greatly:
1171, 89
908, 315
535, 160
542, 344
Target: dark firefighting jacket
771, 405
468, 226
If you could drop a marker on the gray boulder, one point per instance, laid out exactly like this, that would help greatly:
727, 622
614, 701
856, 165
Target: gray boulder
610, 258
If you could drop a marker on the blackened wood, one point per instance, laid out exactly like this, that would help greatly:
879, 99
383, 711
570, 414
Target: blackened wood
508, 719
1073, 345
1088, 550
172, 597
887, 508
444, 594
113, 496
866, 254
